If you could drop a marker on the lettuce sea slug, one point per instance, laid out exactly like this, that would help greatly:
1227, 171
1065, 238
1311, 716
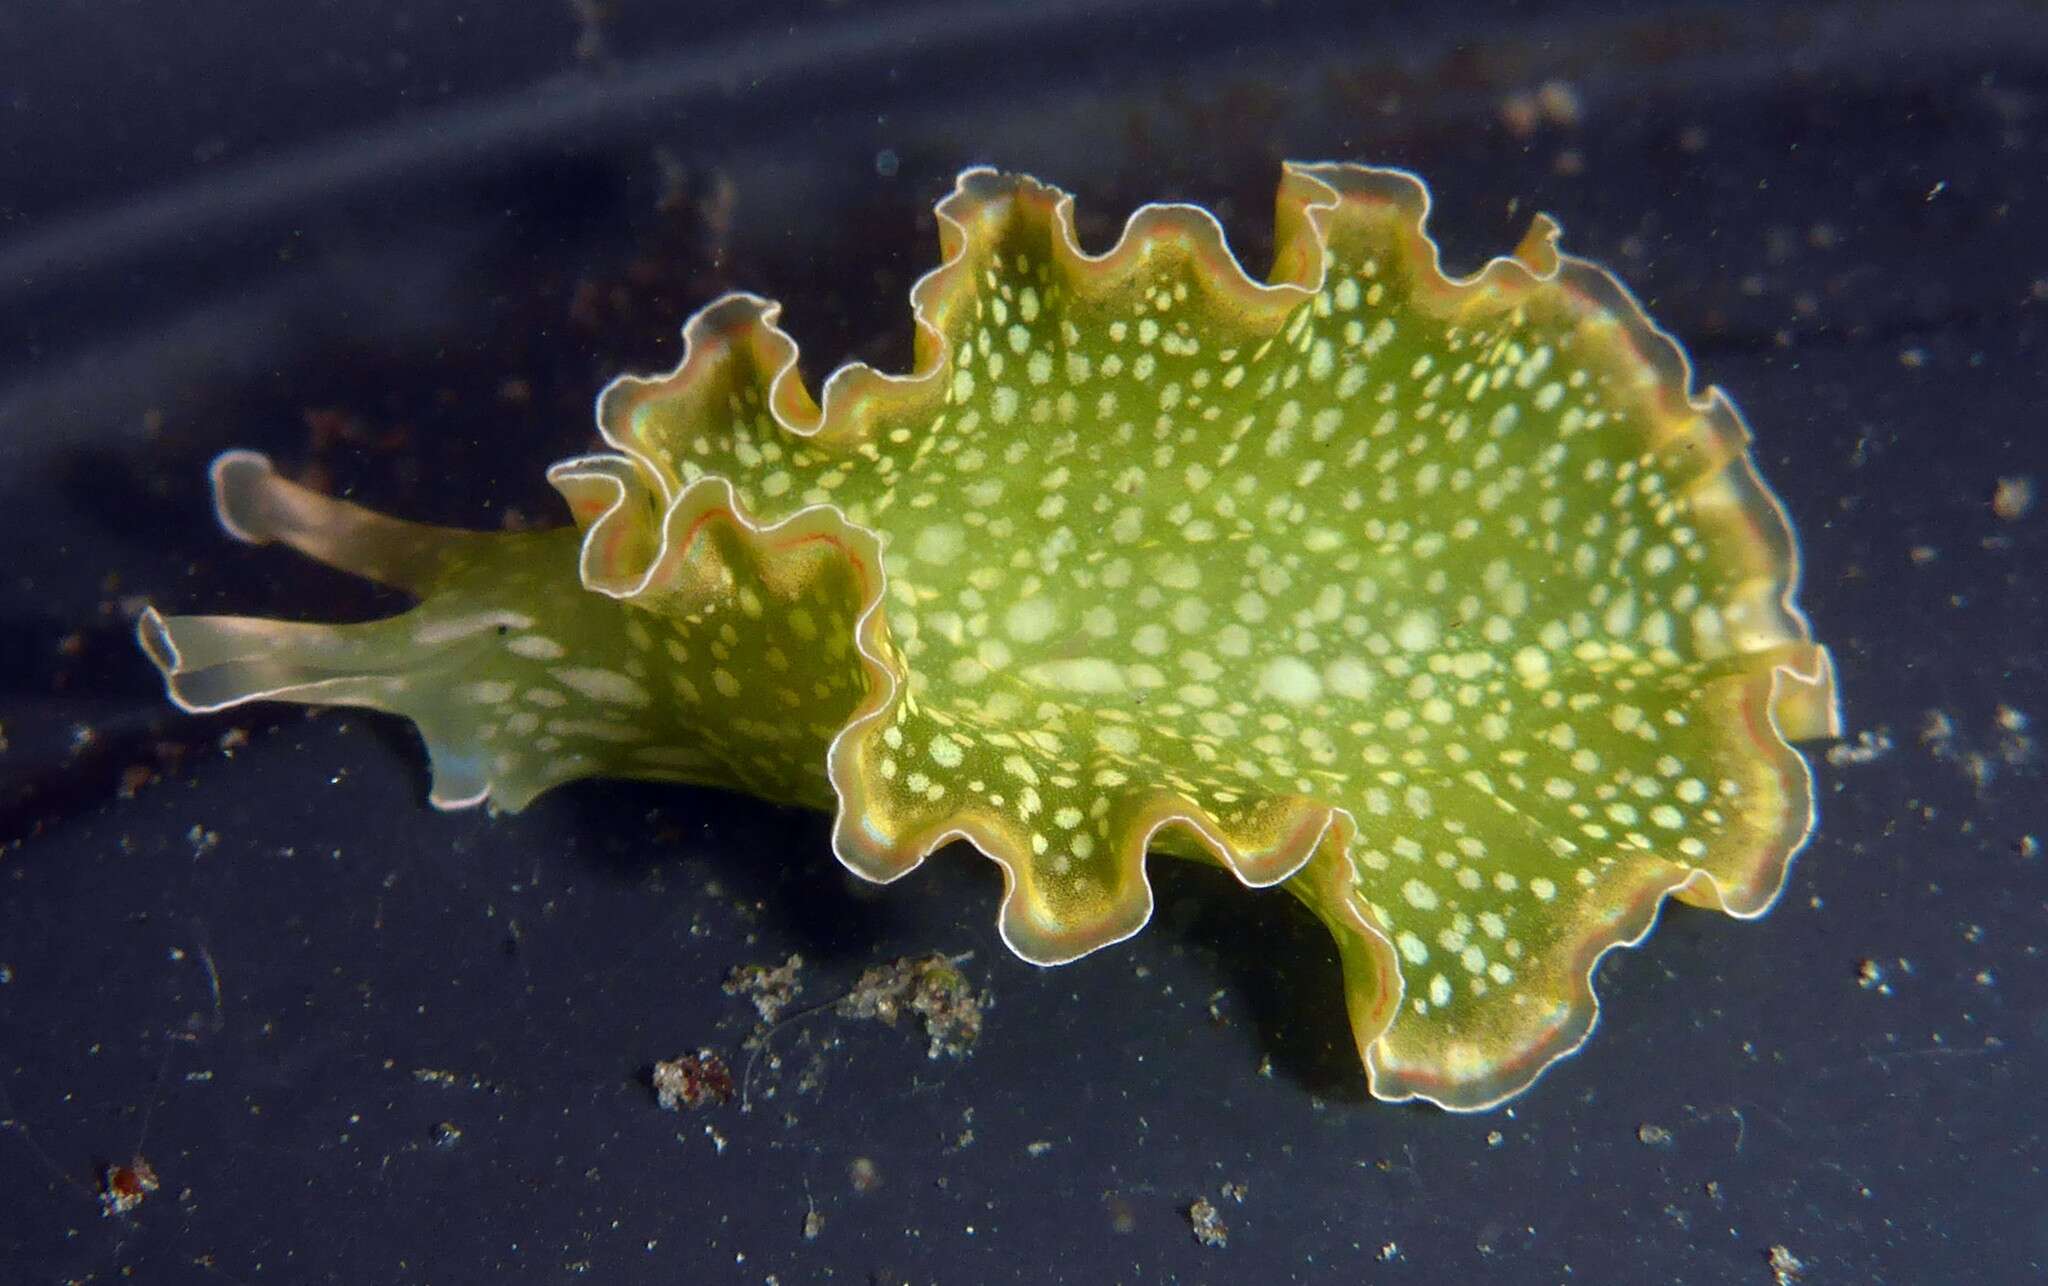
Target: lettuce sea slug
1443, 603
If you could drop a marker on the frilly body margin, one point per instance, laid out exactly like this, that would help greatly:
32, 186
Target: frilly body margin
1802, 702
744, 319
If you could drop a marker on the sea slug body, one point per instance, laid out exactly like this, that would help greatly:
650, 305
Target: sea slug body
1444, 603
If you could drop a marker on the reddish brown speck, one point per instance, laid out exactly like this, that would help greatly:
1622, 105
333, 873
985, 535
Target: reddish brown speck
693, 1081
124, 1187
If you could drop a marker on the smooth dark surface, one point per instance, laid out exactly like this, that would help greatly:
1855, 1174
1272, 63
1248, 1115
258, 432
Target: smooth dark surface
402, 246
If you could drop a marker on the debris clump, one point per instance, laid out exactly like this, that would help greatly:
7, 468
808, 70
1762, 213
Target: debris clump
124, 1187
692, 1081
1206, 1221
771, 989
931, 987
